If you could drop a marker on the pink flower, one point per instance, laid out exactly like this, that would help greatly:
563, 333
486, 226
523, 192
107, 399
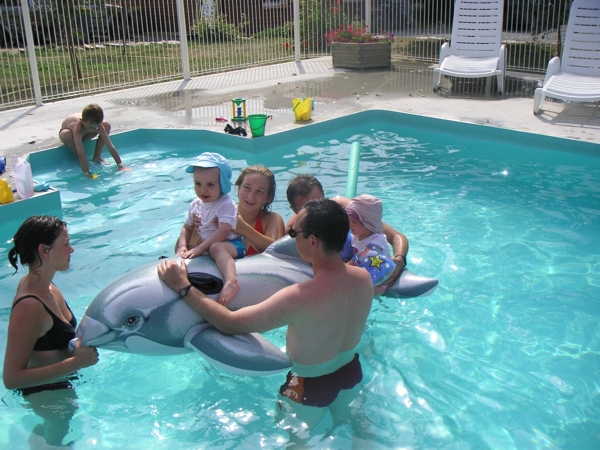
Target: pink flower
357, 34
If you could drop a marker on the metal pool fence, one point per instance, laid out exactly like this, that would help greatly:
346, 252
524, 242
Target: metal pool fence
55, 49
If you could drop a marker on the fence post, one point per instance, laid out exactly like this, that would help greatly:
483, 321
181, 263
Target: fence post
297, 30
368, 16
35, 76
185, 59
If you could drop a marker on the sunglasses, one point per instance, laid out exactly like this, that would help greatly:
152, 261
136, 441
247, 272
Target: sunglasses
293, 233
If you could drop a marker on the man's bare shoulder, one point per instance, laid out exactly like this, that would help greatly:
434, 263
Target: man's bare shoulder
359, 277
358, 273
344, 279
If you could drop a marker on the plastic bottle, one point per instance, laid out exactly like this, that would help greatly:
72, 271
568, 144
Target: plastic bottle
6, 193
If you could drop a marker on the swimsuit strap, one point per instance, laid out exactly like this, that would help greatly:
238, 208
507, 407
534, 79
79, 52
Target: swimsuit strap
47, 309
258, 227
31, 296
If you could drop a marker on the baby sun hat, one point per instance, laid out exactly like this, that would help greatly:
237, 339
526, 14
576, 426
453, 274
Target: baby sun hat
208, 160
369, 210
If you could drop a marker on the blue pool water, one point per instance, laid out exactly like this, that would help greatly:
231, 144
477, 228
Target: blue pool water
504, 355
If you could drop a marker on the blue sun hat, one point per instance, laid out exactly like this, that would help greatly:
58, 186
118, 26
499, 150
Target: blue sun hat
208, 160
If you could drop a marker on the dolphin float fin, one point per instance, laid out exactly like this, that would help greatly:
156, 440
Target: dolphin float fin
241, 354
409, 284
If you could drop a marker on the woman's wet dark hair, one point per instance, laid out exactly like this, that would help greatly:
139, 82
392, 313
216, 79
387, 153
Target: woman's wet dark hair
34, 231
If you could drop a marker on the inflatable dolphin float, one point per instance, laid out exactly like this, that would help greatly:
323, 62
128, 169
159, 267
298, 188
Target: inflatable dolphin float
139, 313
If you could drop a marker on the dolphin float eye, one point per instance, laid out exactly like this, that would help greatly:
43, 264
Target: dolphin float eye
132, 321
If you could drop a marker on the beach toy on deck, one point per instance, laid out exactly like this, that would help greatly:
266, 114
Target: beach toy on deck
41, 187
238, 109
302, 108
239, 131
257, 123
6, 193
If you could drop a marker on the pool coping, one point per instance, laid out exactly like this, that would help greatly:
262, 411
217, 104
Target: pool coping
189, 138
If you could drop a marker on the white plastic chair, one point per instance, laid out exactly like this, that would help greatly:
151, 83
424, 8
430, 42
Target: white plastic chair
475, 49
576, 76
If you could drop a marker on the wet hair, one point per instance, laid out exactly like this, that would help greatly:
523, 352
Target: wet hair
92, 113
34, 231
261, 170
301, 186
328, 221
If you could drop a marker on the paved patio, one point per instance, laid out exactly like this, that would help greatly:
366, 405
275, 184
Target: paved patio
406, 87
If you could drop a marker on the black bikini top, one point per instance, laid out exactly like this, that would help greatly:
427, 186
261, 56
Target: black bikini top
57, 337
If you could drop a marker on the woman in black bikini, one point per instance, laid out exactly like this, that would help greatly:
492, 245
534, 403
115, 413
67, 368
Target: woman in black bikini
38, 362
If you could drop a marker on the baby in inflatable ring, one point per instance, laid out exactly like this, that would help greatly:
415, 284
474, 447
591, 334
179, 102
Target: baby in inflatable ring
370, 248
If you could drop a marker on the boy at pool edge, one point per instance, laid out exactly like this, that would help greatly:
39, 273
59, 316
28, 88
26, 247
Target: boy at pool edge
85, 126
370, 249
217, 215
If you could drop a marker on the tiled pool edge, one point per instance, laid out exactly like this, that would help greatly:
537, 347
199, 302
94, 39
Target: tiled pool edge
15, 213
201, 138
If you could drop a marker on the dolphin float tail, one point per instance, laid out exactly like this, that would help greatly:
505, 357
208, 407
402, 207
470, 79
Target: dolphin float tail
241, 354
409, 285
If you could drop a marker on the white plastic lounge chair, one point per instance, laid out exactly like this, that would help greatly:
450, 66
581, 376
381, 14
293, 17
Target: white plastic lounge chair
475, 49
576, 76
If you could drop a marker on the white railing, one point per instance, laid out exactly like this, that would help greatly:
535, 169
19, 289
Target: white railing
53, 49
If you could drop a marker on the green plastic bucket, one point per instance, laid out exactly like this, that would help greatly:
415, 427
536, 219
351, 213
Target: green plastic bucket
257, 123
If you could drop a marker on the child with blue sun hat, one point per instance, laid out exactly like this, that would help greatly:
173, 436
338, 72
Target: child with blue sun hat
215, 212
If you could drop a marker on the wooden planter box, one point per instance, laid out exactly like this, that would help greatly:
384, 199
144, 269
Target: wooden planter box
361, 56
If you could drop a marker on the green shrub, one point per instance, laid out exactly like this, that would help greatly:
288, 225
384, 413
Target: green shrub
208, 29
317, 18
284, 31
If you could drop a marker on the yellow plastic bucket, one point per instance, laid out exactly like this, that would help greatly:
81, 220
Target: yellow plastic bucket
302, 108
6, 193
257, 123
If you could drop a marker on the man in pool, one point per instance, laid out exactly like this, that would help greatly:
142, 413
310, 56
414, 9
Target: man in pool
325, 316
306, 187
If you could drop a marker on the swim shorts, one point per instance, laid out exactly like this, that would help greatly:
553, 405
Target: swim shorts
321, 391
238, 243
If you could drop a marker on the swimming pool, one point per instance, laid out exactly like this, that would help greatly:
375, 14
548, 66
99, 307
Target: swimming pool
503, 355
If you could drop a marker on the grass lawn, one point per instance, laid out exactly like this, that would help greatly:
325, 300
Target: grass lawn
104, 68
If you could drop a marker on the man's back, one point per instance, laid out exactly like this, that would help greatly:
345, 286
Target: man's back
333, 310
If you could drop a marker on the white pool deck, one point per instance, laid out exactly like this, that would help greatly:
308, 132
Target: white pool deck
337, 92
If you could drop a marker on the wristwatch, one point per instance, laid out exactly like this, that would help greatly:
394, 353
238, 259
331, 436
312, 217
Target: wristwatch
184, 291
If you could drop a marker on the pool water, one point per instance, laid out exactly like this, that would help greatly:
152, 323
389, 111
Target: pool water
505, 354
